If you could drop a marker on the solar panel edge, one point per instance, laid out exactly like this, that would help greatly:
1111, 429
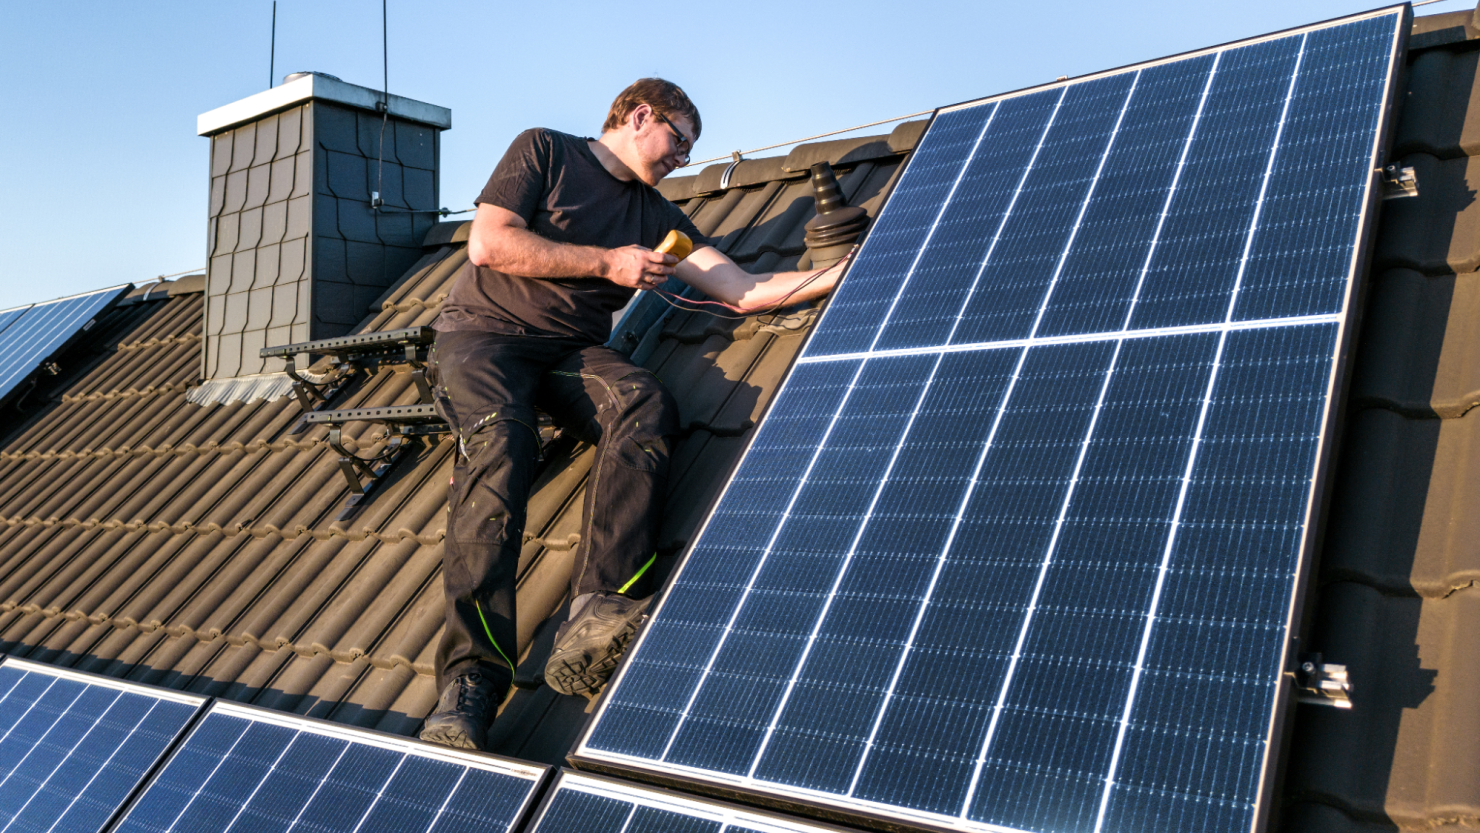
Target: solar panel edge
1298, 622
824, 819
538, 776
1181, 56
585, 757
515, 767
90, 678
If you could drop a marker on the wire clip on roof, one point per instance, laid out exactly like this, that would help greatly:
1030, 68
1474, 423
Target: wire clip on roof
1398, 183
1322, 683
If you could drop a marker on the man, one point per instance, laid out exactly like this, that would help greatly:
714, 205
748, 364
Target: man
563, 237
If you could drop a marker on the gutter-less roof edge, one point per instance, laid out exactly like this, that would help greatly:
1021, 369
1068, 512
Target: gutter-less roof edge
317, 86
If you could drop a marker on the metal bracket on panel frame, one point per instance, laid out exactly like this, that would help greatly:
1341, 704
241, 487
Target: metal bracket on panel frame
364, 474
1323, 684
1398, 182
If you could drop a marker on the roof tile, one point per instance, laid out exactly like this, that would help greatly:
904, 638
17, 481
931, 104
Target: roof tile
1420, 354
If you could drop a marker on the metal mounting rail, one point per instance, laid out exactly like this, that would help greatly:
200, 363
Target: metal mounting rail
389, 415
355, 353
355, 344
364, 474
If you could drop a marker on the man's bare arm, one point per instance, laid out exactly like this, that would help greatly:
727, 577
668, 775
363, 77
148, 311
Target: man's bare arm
714, 274
500, 239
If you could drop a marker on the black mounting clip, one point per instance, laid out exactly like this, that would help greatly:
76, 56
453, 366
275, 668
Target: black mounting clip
313, 395
1322, 683
364, 474
1398, 182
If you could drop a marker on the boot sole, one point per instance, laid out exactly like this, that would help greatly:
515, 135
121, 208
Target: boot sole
574, 674
450, 735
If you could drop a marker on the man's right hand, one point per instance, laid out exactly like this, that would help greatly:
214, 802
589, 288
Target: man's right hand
637, 267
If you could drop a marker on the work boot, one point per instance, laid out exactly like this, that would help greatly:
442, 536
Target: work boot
589, 644
465, 710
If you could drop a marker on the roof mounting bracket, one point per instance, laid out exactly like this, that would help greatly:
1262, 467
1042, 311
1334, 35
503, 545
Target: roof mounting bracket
313, 395
735, 160
1398, 182
1322, 683
364, 474
372, 470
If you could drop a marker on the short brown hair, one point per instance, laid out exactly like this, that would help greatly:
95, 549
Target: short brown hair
666, 97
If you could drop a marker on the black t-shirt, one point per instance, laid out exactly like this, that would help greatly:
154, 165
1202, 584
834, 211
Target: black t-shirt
556, 183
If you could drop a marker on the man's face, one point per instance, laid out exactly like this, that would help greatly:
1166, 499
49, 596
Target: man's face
661, 144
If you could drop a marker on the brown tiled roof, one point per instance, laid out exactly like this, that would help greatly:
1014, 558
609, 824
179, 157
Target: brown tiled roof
195, 547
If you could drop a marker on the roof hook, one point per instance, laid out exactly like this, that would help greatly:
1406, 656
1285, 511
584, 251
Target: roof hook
735, 160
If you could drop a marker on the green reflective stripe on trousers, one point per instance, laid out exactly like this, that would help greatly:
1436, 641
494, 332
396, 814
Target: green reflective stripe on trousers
490, 635
633, 580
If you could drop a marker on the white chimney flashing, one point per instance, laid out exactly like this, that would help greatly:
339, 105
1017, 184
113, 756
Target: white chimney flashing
308, 87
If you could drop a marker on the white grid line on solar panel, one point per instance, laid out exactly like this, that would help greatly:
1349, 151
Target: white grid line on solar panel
351, 739
1081, 338
946, 203
640, 797
86, 683
1383, 11
96, 774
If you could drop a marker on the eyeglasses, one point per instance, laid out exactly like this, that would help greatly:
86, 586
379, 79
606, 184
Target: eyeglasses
681, 142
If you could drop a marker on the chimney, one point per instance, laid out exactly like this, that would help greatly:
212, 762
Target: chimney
296, 250
837, 225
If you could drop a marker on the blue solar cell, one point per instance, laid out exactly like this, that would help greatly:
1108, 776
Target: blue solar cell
1045, 468
74, 747
967, 223
1102, 268
860, 305
1302, 255
30, 335
243, 769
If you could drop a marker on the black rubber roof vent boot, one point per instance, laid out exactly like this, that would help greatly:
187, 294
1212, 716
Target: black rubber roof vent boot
837, 225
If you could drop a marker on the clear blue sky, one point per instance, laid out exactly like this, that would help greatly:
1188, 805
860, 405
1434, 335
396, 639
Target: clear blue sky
105, 181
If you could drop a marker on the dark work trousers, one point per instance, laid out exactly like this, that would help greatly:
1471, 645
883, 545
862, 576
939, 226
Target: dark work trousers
487, 387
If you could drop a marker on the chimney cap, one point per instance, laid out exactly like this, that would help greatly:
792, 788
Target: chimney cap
304, 86
294, 76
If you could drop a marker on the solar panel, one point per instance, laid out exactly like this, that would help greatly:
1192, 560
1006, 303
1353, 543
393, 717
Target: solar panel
1019, 544
74, 747
31, 334
243, 768
585, 804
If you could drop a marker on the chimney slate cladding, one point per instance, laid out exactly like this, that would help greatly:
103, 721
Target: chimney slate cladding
296, 252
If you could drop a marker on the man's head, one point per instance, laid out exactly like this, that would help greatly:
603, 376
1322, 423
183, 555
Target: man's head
652, 127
